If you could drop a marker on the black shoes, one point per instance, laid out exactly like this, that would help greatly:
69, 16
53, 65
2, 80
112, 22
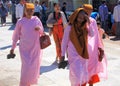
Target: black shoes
9, 56
62, 64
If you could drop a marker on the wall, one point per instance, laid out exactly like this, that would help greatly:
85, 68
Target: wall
79, 3
69, 4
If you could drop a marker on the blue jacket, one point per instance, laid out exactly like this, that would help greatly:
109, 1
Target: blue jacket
3, 12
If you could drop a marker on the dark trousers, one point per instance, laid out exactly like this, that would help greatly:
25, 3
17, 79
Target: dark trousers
118, 29
104, 25
14, 20
3, 19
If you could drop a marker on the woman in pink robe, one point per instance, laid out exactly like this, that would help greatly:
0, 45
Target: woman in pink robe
97, 64
28, 30
78, 63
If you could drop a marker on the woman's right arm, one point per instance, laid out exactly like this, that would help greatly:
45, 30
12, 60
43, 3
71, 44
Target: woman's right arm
65, 40
16, 35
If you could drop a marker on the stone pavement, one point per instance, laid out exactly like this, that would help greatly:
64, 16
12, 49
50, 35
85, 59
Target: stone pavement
50, 75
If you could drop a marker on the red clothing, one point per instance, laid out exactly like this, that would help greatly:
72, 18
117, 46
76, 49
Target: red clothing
58, 31
94, 79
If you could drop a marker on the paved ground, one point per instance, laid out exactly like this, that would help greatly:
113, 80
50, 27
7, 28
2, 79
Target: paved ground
50, 75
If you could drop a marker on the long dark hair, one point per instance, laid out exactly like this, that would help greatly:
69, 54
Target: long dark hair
86, 18
54, 13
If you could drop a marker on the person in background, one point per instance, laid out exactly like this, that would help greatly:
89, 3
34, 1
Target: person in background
116, 16
1, 1
19, 9
13, 10
37, 10
95, 14
8, 5
3, 14
40, 10
103, 12
113, 27
64, 9
97, 63
28, 31
44, 15
101, 31
57, 22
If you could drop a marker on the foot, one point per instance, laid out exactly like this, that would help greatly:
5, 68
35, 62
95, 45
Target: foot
57, 60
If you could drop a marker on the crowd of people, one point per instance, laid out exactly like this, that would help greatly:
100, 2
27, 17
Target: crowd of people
77, 38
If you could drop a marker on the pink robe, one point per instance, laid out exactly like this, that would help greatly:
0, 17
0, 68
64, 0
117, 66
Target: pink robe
78, 65
81, 70
94, 41
29, 48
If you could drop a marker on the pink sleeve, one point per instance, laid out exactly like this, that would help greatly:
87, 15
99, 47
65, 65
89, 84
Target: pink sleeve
100, 45
39, 24
16, 35
65, 40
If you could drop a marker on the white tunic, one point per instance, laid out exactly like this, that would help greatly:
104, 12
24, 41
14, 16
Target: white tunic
19, 10
116, 13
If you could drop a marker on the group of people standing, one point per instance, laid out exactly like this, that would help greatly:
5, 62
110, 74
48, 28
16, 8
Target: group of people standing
3, 14
79, 38
17, 10
109, 20
116, 17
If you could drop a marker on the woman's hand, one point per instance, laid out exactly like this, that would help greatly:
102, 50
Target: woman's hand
101, 54
37, 28
12, 51
62, 63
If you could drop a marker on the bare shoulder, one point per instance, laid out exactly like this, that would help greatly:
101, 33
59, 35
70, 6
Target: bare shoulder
102, 30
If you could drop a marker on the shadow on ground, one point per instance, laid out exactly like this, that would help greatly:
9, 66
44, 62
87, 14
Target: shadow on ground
44, 69
54, 65
12, 27
5, 47
115, 39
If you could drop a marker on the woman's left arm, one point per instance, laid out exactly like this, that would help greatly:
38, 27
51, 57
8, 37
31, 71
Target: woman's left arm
39, 26
100, 45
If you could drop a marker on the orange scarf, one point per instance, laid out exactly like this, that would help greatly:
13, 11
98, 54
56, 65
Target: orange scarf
78, 36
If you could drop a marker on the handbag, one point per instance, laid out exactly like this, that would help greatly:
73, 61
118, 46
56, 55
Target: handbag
44, 41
